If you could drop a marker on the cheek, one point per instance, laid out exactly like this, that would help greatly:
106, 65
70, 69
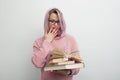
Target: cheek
57, 27
50, 26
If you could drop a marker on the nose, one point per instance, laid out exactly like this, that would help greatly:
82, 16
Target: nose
55, 24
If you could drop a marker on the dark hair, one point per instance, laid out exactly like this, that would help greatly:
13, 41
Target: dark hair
53, 11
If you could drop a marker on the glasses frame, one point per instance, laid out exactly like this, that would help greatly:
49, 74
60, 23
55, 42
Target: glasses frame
54, 21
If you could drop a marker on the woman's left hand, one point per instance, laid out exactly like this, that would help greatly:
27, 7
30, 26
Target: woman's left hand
63, 72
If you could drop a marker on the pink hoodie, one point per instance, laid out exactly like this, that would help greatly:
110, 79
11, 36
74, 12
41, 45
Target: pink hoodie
43, 48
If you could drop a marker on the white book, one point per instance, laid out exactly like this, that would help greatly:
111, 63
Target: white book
67, 66
66, 62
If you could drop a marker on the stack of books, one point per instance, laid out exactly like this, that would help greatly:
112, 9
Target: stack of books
63, 63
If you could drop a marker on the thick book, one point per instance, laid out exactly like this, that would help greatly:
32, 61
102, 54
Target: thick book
66, 66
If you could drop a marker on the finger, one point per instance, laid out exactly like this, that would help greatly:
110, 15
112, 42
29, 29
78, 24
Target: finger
55, 34
50, 30
54, 30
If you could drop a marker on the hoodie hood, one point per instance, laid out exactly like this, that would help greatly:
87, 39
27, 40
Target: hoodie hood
61, 19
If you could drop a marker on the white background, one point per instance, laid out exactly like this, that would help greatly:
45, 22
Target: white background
94, 23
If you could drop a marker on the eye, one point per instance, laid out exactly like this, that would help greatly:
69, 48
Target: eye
51, 21
57, 21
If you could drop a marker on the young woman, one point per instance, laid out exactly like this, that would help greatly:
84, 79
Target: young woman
54, 37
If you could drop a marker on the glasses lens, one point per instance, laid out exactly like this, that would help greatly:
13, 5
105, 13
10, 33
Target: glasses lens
53, 21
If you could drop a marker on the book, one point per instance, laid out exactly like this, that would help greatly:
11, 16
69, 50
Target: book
58, 60
53, 61
66, 66
74, 56
66, 62
76, 59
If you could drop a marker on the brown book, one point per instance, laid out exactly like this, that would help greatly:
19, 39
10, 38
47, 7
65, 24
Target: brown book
76, 59
73, 56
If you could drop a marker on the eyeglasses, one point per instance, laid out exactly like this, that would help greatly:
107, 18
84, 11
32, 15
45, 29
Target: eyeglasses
54, 22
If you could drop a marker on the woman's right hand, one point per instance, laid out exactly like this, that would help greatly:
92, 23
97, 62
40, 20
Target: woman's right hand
51, 34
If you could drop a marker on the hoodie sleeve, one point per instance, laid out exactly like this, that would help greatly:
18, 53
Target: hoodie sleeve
41, 50
74, 48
